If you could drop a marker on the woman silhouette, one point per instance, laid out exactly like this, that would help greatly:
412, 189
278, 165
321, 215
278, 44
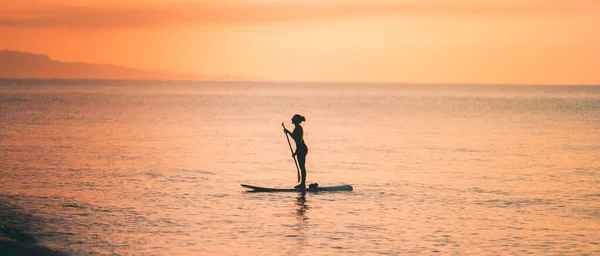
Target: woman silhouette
301, 149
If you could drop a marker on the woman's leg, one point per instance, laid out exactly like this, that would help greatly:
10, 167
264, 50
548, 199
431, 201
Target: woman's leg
301, 163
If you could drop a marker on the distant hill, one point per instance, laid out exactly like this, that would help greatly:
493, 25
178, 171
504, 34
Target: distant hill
16, 64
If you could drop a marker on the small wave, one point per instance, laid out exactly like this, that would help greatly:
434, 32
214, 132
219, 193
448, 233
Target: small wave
466, 150
515, 202
497, 192
72, 205
154, 173
194, 171
78, 169
219, 195
589, 212
130, 158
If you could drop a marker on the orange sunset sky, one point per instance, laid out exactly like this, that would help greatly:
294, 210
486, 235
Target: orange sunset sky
422, 41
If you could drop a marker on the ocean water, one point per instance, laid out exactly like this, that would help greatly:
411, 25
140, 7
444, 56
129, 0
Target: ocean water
153, 168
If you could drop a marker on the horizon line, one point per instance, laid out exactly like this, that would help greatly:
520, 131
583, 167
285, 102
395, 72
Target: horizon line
284, 82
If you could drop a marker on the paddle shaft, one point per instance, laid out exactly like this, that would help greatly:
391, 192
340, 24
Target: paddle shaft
292, 150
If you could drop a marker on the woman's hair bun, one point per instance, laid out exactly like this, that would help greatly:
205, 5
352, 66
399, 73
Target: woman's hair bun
299, 118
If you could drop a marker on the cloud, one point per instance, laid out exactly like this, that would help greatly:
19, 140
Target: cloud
174, 14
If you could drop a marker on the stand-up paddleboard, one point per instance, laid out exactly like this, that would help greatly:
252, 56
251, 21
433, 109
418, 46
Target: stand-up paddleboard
317, 189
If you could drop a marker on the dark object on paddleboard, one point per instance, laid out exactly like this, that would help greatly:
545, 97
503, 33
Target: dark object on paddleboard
312, 188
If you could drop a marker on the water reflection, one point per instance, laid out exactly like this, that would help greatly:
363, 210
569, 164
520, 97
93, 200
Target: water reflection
301, 208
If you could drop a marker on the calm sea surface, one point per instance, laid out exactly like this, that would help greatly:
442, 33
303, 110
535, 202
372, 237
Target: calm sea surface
149, 168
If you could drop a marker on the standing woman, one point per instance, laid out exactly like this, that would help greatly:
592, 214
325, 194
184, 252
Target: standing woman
301, 149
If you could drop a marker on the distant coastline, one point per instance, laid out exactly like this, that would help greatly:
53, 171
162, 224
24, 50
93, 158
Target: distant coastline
26, 65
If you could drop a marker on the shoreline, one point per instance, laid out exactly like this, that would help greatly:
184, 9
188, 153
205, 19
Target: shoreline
16, 242
14, 238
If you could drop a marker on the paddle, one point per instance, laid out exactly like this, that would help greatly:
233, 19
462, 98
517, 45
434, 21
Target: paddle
290, 144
